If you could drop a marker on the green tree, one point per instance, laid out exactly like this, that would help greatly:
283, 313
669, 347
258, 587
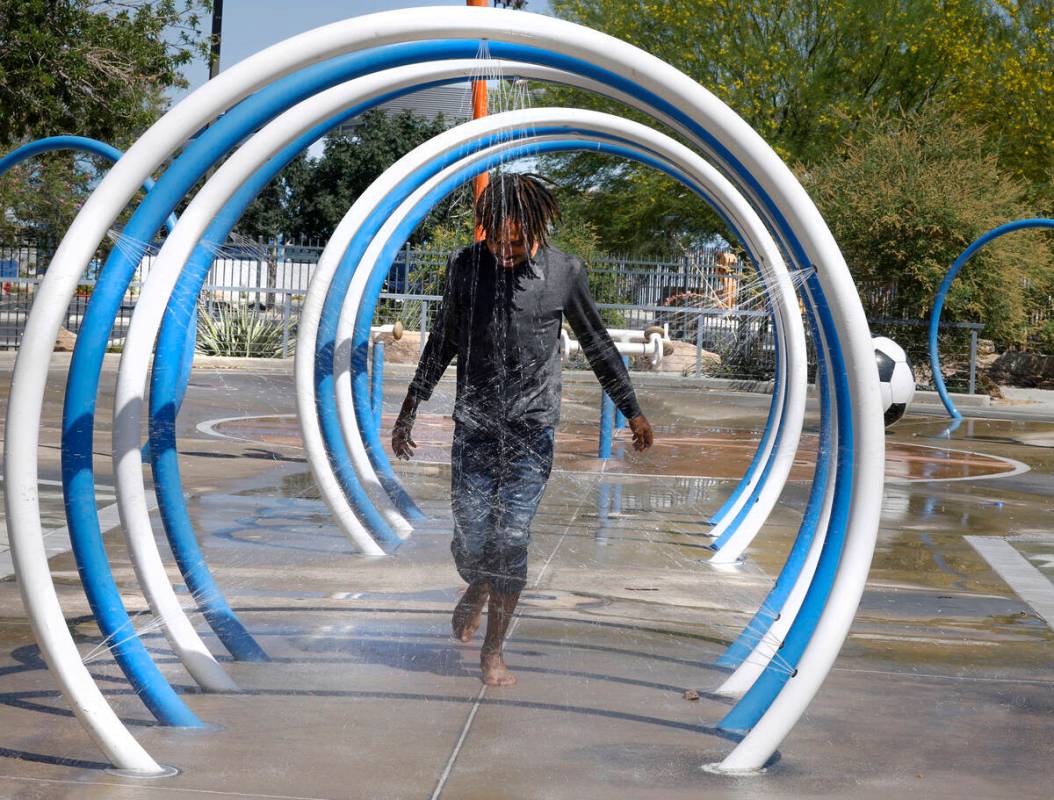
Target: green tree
351, 162
806, 73
95, 68
1008, 87
276, 209
904, 196
631, 209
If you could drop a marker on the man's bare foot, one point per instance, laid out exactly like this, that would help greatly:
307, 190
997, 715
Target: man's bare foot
468, 613
495, 673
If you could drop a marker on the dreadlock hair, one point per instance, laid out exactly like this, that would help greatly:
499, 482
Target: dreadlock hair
521, 198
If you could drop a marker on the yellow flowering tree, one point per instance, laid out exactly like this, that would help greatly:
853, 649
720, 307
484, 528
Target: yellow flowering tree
805, 73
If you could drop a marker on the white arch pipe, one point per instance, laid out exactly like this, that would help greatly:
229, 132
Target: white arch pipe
768, 644
723, 192
775, 473
734, 144
282, 129
129, 402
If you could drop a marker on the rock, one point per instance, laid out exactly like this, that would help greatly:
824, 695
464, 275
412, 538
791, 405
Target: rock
405, 350
985, 347
1027, 370
691, 694
65, 341
680, 360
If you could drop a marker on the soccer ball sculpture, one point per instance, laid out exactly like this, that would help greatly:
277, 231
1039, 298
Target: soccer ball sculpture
896, 378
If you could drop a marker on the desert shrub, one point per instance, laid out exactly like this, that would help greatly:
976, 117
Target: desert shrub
243, 331
905, 196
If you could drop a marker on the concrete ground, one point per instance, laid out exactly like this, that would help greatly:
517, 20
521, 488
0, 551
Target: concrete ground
943, 690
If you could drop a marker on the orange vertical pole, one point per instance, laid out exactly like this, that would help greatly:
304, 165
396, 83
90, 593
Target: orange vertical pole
479, 109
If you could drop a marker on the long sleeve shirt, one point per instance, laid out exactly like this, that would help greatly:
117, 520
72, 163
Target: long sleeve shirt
504, 327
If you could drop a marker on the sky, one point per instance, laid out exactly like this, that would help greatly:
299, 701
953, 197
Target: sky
251, 25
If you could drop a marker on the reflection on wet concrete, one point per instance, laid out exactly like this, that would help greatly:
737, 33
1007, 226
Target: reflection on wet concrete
717, 453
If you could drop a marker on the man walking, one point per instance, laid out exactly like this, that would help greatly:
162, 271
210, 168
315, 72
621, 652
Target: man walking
503, 306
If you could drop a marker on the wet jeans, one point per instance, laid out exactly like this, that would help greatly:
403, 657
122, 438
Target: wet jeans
498, 475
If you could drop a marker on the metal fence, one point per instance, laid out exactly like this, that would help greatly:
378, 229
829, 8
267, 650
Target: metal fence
713, 334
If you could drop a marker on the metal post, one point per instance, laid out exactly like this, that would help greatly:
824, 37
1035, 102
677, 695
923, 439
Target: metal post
620, 418
404, 283
377, 382
698, 345
479, 110
973, 360
216, 38
423, 328
287, 313
607, 423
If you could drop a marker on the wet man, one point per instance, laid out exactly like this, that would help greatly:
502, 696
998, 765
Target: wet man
504, 303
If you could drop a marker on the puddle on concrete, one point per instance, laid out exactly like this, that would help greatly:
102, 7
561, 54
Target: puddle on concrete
682, 450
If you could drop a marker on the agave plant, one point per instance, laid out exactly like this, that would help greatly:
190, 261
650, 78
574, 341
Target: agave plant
243, 331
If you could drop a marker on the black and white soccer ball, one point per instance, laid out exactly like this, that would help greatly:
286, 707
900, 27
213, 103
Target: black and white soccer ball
896, 378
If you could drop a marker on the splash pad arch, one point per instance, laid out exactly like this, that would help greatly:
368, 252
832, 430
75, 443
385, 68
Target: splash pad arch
851, 496
942, 295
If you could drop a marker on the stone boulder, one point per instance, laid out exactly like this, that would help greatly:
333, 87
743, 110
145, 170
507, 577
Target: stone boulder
66, 341
1027, 370
406, 350
679, 357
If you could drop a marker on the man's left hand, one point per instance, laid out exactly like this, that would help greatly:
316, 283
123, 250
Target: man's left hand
642, 433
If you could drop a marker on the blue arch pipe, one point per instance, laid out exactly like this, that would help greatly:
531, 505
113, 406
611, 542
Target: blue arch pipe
92, 564
756, 701
942, 293
772, 606
82, 384
80, 144
357, 247
775, 432
771, 682
758, 459
747, 182
804, 626
607, 424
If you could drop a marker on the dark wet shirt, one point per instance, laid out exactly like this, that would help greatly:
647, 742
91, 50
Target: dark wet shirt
504, 327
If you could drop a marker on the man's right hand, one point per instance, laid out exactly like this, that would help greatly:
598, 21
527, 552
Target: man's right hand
402, 442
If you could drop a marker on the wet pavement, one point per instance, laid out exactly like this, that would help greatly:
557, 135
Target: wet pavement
944, 688
716, 453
